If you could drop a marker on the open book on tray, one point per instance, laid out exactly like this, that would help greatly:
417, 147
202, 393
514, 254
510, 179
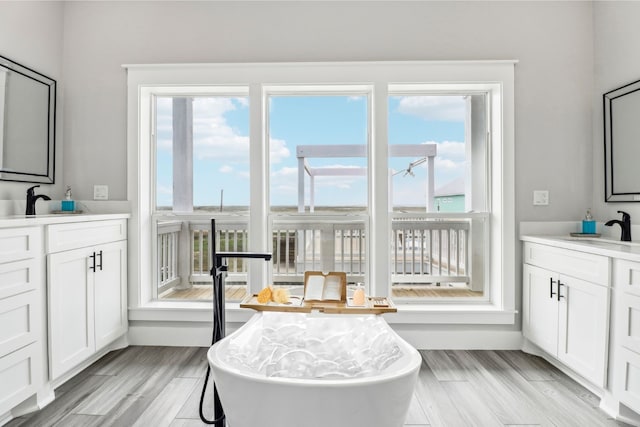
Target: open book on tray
319, 286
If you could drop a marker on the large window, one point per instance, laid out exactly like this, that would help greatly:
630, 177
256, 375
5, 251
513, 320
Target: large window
318, 182
380, 170
201, 169
438, 185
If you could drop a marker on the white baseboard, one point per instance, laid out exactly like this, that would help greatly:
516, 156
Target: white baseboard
199, 335
462, 339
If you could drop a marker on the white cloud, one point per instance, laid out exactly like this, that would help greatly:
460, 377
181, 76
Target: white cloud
213, 137
278, 150
285, 172
225, 169
244, 101
446, 165
431, 107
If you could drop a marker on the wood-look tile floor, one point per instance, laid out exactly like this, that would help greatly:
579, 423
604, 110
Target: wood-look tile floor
160, 386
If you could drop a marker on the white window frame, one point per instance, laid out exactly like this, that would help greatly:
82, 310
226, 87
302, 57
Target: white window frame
379, 75
480, 219
308, 90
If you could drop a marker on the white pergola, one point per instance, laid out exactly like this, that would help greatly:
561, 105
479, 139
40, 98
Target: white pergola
305, 152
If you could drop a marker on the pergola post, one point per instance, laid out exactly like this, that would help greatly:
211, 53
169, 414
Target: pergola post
430, 184
300, 184
182, 180
182, 155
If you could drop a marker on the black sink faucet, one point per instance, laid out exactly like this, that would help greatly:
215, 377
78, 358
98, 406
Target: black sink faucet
31, 200
625, 224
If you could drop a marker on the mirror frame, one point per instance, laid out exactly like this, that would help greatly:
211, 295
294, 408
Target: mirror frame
49, 177
607, 99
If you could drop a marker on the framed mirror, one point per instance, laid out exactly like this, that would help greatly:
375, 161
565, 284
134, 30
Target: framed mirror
27, 124
622, 143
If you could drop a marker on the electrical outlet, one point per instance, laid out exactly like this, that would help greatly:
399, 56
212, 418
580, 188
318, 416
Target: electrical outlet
100, 192
540, 197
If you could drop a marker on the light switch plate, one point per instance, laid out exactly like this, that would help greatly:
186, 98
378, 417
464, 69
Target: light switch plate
540, 197
100, 192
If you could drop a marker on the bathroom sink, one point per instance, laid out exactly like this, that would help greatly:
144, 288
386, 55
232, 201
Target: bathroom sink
605, 243
29, 216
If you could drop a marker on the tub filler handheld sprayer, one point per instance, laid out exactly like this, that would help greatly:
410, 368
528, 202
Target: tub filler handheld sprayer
218, 272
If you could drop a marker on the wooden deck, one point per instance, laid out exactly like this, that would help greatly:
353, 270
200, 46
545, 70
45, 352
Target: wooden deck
238, 292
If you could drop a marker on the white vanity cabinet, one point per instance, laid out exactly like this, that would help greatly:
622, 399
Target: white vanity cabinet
87, 278
566, 307
21, 337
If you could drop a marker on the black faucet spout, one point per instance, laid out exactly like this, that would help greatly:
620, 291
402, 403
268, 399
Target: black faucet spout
625, 226
31, 200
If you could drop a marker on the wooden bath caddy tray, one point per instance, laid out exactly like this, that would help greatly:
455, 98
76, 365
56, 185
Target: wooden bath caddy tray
324, 292
373, 305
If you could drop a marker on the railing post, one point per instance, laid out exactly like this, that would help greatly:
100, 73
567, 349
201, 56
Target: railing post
327, 248
185, 255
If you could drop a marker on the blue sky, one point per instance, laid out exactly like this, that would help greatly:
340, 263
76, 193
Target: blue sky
221, 146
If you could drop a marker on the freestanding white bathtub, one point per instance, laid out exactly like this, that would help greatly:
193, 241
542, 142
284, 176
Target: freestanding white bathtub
251, 398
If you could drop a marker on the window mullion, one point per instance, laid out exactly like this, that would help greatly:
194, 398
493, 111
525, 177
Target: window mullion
379, 236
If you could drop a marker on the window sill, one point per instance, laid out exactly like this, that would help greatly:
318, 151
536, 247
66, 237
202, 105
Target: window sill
170, 311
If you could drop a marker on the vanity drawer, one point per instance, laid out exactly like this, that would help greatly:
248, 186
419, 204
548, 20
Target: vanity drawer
63, 237
19, 276
19, 319
19, 372
628, 378
628, 312
626, 276
582, 265
19, 243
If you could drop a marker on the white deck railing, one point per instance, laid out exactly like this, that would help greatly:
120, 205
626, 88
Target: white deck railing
168, 234
430, 251
230, 237
422, 250
301, 245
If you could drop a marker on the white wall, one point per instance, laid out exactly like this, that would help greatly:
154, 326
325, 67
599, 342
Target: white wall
552, 41
31, 34
617, 62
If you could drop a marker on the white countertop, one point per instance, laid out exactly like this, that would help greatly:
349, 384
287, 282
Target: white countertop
593, 245
25, 221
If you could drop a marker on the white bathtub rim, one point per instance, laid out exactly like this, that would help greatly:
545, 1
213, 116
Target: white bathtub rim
410, 362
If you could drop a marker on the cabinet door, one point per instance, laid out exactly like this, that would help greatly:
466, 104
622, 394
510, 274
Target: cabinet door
583, 326
110, 284
70, 298
540, 308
